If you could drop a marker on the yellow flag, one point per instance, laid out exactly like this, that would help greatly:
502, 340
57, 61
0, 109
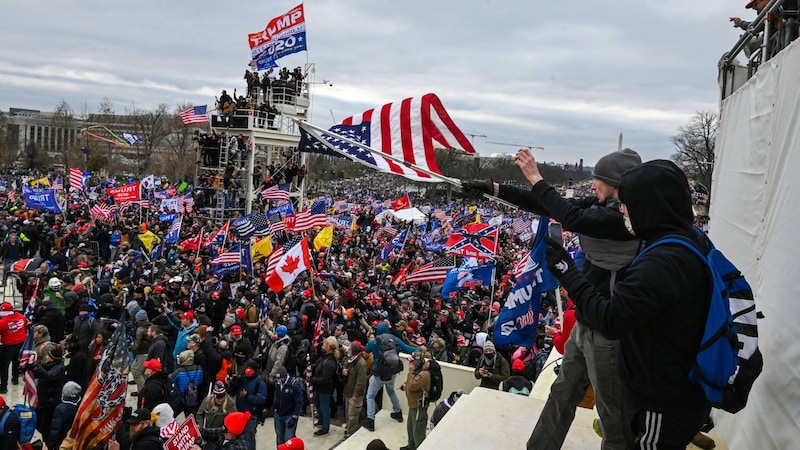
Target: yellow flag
261, 249
324, 238
43, 181
149, 239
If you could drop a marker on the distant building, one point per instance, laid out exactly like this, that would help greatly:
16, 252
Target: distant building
31, 126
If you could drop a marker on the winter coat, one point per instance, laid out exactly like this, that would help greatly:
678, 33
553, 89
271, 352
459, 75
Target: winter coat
418, 383
183, 376
148, 439
49, 315
50, 380
63, 416
154, 391
356, 381
158, 349
668, 285
324, 376
289, 397
256, 396
212, 416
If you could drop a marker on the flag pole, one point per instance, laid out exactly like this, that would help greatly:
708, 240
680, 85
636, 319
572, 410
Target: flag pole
317, 132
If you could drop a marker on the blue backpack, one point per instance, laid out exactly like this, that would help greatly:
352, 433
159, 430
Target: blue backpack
728, 360
27, 421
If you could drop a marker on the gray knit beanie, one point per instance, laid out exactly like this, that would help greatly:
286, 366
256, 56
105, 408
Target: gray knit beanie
71, 391
610, 168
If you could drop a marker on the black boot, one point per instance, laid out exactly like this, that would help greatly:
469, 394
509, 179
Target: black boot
398, 416
368, 424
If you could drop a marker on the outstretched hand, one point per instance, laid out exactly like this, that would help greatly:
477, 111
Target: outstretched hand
476, 188
558, 260
525, 160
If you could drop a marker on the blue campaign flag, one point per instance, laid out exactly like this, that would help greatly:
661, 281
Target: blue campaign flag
278, 48
467, 277
173, 234
158, 251
44, 200
225, 268
434, 240
27, 189
284, 210
398, 241
167, 217
519, 317
247, 258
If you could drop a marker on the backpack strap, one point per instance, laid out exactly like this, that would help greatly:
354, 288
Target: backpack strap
3, 420
672, 239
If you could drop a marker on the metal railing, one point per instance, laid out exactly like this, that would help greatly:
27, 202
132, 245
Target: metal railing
772, 40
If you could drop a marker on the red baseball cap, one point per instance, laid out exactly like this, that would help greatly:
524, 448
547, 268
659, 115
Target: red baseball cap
517, 366
236, 329
159, 288
6, 307
187, 315
294, 443
153, 364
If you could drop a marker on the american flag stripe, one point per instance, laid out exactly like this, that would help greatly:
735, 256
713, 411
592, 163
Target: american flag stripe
276, 255
274, 193
233, 255
432, 272
194, 114
312, 217
76, 179
406, 130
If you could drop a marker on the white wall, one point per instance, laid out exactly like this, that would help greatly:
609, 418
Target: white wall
754, 216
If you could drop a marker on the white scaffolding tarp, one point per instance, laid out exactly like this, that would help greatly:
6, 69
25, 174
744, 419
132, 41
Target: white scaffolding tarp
755, 211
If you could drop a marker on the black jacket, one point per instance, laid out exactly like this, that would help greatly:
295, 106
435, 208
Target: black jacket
324, 374
49, 316
659, 310
158, 349
148, 439
10, 431
50, 378
63, 416
154, 391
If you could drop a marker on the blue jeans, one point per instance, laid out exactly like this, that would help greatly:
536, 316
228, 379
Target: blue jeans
375, 384
250, 432
282, 431
323, 404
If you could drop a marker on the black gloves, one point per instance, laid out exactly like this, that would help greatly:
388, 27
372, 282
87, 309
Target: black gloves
292, 422
476, 188
558, 260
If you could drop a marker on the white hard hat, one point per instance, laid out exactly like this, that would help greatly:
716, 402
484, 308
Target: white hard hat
54, 283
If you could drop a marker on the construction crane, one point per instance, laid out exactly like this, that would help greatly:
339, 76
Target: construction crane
473, 136
529, 147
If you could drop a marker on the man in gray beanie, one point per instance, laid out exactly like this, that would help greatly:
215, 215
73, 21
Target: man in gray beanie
589, 358
64, 414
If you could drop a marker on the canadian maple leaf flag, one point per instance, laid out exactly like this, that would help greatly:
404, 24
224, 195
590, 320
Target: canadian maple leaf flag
292, 263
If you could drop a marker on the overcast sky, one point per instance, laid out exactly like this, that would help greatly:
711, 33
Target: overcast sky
567, 76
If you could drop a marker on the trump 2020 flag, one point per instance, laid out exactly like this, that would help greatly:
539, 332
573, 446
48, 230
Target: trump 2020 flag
294, 261
519, 317
174, 232
407, 131
399, 241
467, 277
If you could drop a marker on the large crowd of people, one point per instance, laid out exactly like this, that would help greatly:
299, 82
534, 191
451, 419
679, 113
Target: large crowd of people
227, 347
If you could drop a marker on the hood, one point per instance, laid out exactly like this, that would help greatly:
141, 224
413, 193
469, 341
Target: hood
657, 197
382, 328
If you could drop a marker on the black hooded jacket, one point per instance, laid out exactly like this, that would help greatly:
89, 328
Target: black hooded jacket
659, 310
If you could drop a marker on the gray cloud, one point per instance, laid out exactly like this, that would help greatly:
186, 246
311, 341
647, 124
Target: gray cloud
568, 76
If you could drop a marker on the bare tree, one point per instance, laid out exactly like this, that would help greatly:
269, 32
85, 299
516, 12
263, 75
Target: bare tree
152, 127
63, 122
694, 148
180, 148
8, 148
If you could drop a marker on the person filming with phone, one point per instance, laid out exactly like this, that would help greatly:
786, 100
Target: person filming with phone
589, 358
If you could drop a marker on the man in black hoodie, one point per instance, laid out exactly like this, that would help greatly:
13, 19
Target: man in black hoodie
668, 285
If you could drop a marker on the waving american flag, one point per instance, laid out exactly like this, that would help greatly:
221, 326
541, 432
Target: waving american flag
405, 130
